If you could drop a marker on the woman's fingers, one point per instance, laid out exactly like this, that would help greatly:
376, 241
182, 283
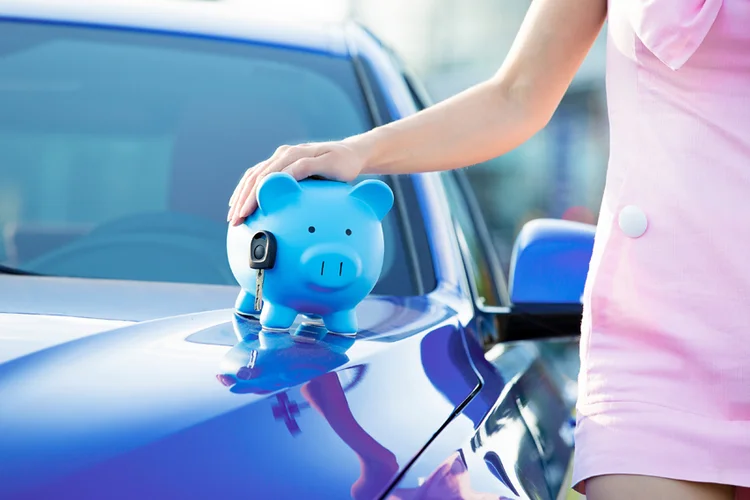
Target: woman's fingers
303, 167
330, 160
236, 193
245, 194
238, 188
242, 190
246, 202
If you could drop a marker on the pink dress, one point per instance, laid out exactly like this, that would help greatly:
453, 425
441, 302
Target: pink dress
665, 349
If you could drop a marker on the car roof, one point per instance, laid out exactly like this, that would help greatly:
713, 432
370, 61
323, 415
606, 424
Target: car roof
213, 19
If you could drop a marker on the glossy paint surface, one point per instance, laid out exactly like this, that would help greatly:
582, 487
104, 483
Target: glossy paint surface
164, 408
22, 334
514, 440
109, 299
550, 262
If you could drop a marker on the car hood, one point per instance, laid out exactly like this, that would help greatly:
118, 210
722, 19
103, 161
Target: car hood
109, 299
204, 404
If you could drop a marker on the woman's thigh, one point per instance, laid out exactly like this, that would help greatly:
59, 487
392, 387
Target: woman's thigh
631, 487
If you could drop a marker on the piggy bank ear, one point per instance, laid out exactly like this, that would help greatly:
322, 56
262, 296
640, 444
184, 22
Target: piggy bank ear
277, 190
376, 194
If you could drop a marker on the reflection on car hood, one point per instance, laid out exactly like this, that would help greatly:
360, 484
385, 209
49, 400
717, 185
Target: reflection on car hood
206, 405
22, 334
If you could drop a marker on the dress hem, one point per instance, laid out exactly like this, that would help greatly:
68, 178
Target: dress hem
634, 438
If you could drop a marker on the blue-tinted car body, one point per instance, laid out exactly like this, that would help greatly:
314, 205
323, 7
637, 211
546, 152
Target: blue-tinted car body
124, 372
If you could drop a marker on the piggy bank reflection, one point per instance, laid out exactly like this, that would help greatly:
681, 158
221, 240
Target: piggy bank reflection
329, 250
265, 361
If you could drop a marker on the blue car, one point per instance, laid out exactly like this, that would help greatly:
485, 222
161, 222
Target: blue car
124, 370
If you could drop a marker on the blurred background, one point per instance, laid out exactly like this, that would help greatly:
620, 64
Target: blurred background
452, 44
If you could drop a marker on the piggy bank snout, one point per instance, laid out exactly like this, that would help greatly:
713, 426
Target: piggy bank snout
331, 267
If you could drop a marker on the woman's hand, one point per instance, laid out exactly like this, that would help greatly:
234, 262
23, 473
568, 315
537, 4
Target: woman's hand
340, 160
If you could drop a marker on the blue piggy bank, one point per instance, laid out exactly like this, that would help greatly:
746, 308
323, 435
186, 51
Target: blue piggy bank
328, 250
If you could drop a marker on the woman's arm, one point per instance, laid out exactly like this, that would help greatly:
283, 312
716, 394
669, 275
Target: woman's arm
483, 122
497, 115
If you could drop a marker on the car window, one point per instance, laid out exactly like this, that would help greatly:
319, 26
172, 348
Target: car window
119, 149
478, 261
486, 274
417, 91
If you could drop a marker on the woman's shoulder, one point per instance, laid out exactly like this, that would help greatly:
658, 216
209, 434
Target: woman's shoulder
682, 33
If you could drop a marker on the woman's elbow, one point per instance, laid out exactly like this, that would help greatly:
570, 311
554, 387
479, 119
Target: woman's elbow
531, 108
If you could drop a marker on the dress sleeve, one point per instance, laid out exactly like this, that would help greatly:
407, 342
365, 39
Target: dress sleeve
672, 29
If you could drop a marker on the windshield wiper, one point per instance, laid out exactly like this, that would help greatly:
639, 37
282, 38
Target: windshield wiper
17, 272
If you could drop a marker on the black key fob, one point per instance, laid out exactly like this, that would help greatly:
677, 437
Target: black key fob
262, 250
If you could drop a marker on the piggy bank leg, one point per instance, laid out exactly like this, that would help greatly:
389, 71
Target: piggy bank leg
277, 317
342, 323
245, 304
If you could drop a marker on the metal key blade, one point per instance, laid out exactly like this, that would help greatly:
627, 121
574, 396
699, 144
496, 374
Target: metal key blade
259, 290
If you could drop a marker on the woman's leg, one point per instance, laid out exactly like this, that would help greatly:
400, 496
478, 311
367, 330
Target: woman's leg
631, 487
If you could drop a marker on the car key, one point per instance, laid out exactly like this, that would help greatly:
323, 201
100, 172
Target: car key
259, 289
262, 257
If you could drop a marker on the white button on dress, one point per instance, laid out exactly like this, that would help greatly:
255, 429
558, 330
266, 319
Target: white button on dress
633, 221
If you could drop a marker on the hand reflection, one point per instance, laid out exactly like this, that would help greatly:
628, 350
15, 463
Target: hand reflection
377, 464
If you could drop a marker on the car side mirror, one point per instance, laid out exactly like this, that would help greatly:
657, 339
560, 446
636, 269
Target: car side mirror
550, 263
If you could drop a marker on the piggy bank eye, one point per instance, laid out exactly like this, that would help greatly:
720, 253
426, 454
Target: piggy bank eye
311, 229
348, 232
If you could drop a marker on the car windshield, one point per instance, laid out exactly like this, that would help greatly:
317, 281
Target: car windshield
119, 149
